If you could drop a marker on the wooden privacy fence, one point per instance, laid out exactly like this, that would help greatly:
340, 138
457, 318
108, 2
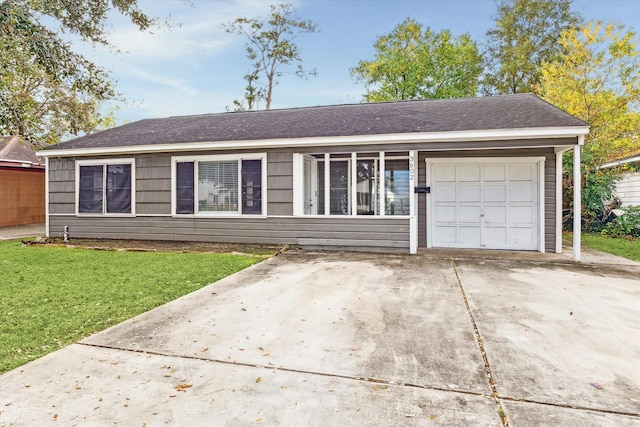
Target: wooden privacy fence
22, 198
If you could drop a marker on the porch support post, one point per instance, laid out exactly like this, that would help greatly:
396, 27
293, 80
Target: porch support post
354, 183
413, 203
577, 200
559, 202
327, 184
46, 197
382, 180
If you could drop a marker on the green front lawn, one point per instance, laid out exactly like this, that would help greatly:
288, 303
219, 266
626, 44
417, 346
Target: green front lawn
621, 247
53, 296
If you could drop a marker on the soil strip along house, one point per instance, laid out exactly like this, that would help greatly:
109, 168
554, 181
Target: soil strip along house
458, 173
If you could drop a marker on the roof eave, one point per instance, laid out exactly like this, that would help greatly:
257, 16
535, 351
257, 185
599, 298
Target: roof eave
403, 138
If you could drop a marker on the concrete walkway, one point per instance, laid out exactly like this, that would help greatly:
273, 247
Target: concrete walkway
359, 339
21, 231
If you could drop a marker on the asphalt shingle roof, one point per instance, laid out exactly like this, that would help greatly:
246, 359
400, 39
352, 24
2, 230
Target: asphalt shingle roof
14, 150
486, 113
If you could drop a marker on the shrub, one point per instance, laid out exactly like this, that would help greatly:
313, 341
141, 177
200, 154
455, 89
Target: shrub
625, 225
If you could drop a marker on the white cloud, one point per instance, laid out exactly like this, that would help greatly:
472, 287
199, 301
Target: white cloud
196, 30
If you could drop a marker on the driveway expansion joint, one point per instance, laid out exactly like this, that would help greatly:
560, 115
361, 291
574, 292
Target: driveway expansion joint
485, 359
373, 380
568, 406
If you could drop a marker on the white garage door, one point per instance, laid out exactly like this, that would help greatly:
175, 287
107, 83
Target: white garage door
484, 204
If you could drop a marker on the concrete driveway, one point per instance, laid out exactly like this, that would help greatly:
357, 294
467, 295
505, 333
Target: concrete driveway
359, 339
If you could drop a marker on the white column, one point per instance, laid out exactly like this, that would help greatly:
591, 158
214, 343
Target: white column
577, 200
413, 202
327, 184
541, 207
298, 184
46, 196
354, 183
382, 197
559, 203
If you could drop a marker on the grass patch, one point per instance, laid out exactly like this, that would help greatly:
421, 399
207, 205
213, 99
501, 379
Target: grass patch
625, 248
51, 296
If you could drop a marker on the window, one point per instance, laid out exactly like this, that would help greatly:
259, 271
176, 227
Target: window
218, 185
396, 178
375, 192
105, 188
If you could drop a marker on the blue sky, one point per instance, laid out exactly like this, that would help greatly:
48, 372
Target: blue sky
197, 68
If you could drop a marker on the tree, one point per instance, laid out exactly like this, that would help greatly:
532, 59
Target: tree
270, 46
414, 64
46, 89
526, 35
597, 79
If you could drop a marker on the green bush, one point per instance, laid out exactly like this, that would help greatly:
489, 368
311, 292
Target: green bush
626, 225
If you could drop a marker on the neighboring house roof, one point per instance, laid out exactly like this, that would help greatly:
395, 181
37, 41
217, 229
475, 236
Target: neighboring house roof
445, 116
14, 151
631, 159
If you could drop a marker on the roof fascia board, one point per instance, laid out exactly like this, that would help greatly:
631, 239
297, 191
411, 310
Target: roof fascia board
621, 162
404, 138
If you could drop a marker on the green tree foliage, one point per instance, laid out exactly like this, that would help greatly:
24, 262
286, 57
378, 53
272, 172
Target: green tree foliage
47, 90
597, 79
412, 63
526, 35
270, 47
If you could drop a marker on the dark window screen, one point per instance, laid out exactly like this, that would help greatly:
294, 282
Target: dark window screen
252, 187
119, 188
90, 194
184, 188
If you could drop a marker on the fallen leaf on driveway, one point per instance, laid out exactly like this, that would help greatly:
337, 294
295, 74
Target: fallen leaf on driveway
258, 379
183, 387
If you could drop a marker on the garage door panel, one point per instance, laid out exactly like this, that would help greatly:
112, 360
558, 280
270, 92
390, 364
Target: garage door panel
520, 215
496, 237
485, 205
445, 193
521, 193
522, 172
469, 193
495, 193
524, 236
445, 173
495, 214
446, 235
446, 214
495, 173
471, 173
469, 214
470, 234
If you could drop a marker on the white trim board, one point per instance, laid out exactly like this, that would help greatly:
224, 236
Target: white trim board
404, 138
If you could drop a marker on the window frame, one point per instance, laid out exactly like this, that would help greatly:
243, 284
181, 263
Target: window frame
104, 163
219, 158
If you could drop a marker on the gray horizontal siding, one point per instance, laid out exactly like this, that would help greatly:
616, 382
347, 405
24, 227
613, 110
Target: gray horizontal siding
550, 202
390, 234
279, 183
153, 184
62, 186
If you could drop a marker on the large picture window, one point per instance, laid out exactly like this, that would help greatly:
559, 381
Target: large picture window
218, 185
105, 188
